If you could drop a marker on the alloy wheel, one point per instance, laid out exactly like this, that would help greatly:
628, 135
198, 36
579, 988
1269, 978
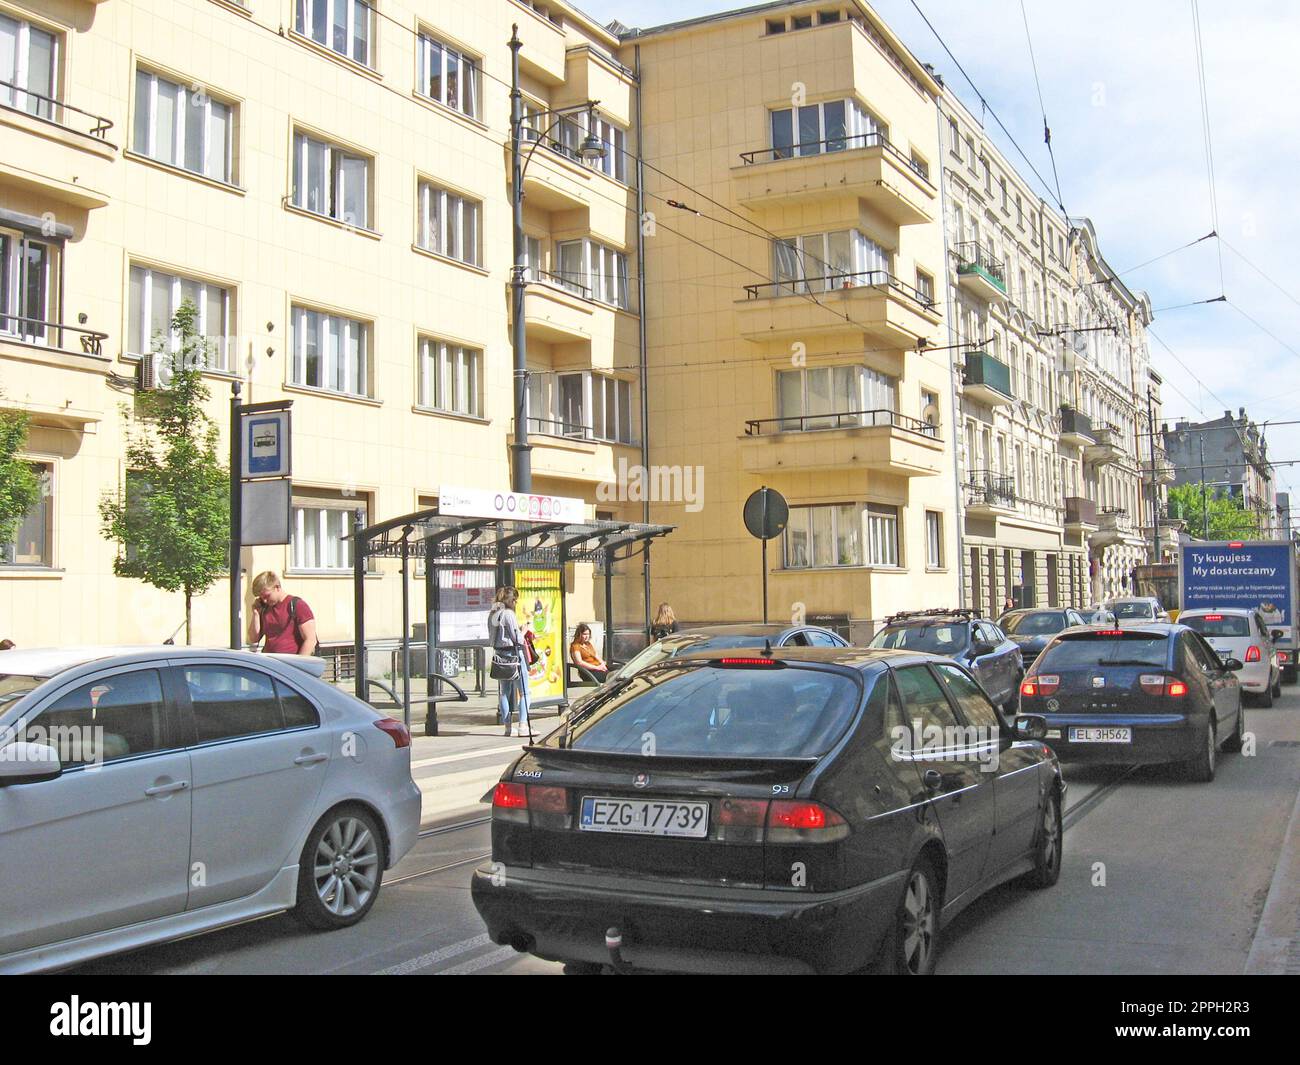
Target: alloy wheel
347, 860
1051, 835
918, 923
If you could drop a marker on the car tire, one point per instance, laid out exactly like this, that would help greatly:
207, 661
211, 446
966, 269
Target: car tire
582, 968
1201, 768
1047, 846
1289, 675
346, 841
1265, 699
1277, 687
1233, 743
911, 946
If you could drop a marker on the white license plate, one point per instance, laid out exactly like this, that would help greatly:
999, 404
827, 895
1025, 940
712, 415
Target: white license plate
1101, 735
644, 817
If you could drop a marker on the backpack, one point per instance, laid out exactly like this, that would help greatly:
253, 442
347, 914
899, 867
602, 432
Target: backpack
297, 629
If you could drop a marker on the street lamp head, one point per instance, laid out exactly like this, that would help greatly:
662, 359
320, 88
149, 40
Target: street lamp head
593, 148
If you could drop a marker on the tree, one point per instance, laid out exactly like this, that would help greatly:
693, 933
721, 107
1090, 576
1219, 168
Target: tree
172, 518
20, 486
1229, 520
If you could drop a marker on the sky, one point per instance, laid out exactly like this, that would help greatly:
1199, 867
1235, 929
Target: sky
1123, 100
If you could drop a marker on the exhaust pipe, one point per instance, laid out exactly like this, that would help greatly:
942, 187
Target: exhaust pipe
614, 944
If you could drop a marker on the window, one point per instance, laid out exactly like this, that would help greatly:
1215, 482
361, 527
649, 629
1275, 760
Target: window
1004, 195
824, 536
331, 181
532, 258
583, 405
450, 224
975, 705
184, 127
822, 262
925, 286
451, 377
921, 166
930, 408
32, 544
593, 271
1020, 212
827, 18
321, 522
776, 25
29, 65
449, 76
344, 26
28, 285
828, 397
970, 153
954, 138
614, 138
882, 535
230, 702
923, 699
113, 717
933, 539
801, 22
833, 126
330, 352
157, 296
988, 176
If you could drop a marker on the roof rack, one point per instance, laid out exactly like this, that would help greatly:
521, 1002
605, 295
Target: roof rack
967, 613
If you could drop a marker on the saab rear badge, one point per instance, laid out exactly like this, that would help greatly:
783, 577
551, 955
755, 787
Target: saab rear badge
1053, 705
641, 780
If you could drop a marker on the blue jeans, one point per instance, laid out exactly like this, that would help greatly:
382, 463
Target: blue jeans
512, 695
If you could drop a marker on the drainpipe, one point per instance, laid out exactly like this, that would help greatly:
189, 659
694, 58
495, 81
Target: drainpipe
642, 364
959, 515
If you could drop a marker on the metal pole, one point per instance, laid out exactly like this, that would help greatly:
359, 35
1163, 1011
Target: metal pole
406, 629
764, 528
236, 519
1155, 486
521, 466
359, 607
430, 628
642, 355
1205, 505
609, 605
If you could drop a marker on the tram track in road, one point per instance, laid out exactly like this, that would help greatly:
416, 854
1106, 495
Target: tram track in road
1080, 809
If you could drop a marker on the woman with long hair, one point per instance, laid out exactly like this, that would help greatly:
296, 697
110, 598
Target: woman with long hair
665, 622
585, 656
506, 642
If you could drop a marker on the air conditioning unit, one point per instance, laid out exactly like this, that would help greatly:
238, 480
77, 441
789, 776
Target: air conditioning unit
146, 374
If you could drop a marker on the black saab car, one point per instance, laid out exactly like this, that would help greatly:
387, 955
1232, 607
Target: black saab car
1153, 694
746, 812
1032, 628
964, 636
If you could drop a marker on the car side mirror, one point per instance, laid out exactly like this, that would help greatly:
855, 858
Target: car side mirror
1029, 727
1231, 665
28, 763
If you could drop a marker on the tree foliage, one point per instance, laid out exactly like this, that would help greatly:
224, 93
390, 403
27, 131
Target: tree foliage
172, 518
1229, 520
20, 485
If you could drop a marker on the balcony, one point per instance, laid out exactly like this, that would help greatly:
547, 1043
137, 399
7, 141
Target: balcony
579, 196
1114, 526
883, 441
63, 154
865, 166
52, 335
572, 452
1108, 445
557, 310
1076, 429
990, 494
874, 302
987, 380
1080, 514
1156, 468
983, 276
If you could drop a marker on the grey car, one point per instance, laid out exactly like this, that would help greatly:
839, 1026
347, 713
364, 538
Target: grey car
1032, 629
148, 794
965, 637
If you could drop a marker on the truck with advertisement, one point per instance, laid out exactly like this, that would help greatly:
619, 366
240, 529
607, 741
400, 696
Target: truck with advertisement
1245, 574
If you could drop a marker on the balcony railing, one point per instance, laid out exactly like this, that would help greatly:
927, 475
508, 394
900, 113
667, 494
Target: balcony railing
50, 334
1114, 519
973, 257
852, 419
571, 431
1079, 510
983, 369
803, 286
562, 281
1075, 422
830, 146
48, 109
990, 489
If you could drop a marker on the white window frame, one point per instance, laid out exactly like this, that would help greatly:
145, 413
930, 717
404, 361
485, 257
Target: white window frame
603, 272
45, 474
333, 553
883, 547
190, 106
805, 263
803, 520
152, 284
862, 129
934, 539
304, 27
440, 209
432, 49
21, 72
337, 177
16, 317
451, 377
334, 366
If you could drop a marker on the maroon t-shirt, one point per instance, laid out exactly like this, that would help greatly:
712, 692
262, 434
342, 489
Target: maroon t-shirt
281, 630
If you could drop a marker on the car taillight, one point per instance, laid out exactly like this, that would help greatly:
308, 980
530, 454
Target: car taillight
1110, 632
734, 661
742, 820
793, 821
1159, 684
395, 730
1283, 656
1212, 617
1043, 684
510, 803
548, 800
1252, 653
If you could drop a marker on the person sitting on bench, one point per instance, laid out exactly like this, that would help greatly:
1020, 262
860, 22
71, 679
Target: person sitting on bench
583, 654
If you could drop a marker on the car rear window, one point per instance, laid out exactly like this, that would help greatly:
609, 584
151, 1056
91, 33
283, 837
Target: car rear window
1084, 649
13, 686
701, 710
941, 638
1035, 624
1218, 624
1132, 610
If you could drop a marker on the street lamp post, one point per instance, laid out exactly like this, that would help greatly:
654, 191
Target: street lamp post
521, 464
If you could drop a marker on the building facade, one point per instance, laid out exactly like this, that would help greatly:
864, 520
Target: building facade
1229, 456
328, 182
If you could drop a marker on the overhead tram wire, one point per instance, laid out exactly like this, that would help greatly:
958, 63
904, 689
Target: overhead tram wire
1165, 255
1047, 131
1262, 273
1209, 142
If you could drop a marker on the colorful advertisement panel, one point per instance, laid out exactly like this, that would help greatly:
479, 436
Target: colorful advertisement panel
540, 612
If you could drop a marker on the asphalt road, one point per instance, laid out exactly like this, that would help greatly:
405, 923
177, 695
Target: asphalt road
1160, 876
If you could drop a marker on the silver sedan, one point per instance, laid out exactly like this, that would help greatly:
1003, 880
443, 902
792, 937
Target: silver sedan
151, 793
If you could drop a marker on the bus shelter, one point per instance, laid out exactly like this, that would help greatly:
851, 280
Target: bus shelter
466, 559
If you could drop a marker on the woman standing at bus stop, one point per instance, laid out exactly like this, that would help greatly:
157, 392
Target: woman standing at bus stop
509, 664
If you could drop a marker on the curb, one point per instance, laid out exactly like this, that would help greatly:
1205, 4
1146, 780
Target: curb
1275, 950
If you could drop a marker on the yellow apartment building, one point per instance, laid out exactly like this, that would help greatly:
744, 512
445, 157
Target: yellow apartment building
328, 181
785, 304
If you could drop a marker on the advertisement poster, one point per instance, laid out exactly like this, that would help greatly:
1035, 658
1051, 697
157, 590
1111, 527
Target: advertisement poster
539, 613
464, 599
1254, 576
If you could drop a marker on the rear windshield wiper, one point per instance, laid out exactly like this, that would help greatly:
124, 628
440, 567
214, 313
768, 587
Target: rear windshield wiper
599, 698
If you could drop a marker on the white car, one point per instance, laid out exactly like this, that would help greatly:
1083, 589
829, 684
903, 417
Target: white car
1132, 611
151, 793
1243, 635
